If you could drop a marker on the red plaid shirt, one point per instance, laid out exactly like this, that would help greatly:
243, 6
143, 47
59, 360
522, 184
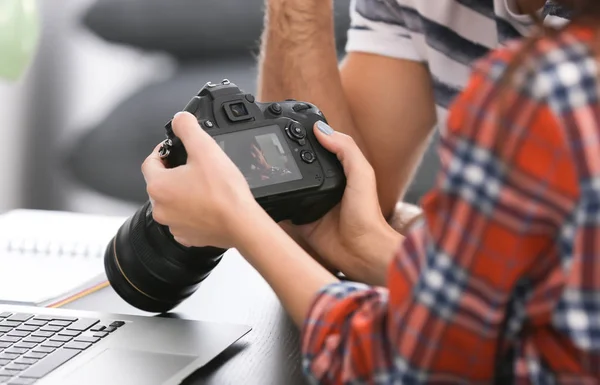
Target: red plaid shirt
508, 253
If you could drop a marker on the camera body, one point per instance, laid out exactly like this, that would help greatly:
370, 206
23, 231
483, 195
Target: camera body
291, 175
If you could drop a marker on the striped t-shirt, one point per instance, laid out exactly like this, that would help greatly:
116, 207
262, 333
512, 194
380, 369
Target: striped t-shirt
448, 35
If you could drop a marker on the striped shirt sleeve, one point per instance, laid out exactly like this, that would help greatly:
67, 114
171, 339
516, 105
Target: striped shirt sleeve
382, 27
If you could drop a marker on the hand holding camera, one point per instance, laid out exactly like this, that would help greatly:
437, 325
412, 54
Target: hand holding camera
269, 159
226, 196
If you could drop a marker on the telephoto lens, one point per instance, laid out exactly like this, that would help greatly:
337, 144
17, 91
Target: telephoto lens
149, 269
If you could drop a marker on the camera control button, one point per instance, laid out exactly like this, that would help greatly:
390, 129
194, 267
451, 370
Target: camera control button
165, 148
208, 124
250, 98
307, 156
275, 108
299, 107
296, 131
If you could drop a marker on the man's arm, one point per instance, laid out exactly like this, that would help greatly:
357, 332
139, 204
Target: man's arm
385, 104
391, 103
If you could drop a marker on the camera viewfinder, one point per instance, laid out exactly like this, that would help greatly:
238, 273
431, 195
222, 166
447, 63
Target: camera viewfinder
237, 111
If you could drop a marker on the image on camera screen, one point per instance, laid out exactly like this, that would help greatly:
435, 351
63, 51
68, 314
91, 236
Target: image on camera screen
262, 154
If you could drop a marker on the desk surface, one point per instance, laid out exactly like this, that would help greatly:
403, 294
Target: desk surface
234, 292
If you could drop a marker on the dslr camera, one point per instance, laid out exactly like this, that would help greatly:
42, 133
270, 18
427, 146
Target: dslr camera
290, 174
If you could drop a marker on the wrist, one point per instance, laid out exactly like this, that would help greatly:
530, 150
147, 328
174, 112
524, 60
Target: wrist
373, 258
244, 223
293, 275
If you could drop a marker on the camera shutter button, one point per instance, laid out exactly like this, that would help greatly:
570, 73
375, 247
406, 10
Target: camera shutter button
307, 156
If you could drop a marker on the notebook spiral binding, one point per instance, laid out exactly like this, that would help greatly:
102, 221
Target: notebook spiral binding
49, 248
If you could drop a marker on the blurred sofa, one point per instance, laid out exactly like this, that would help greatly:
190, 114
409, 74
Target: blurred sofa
209, 40
205, 40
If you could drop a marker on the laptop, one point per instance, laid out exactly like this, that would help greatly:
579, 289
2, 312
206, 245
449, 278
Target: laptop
46, 346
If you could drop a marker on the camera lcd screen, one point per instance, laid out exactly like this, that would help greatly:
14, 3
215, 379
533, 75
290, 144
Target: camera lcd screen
262, 154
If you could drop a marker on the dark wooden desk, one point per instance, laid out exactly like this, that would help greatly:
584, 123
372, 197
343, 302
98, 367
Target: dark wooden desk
236, 293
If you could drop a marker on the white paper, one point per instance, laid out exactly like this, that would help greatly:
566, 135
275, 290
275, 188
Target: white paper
45, 255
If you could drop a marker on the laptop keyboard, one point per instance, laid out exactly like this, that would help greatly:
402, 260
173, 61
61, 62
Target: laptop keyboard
31, 346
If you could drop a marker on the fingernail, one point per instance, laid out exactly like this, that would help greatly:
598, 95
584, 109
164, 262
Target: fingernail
324, 128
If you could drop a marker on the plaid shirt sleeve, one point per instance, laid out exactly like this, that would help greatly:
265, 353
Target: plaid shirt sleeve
496, 231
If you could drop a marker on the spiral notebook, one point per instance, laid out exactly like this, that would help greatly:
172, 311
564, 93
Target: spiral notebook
49, 258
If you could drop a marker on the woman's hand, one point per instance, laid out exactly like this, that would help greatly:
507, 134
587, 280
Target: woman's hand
354, 236
205, 202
